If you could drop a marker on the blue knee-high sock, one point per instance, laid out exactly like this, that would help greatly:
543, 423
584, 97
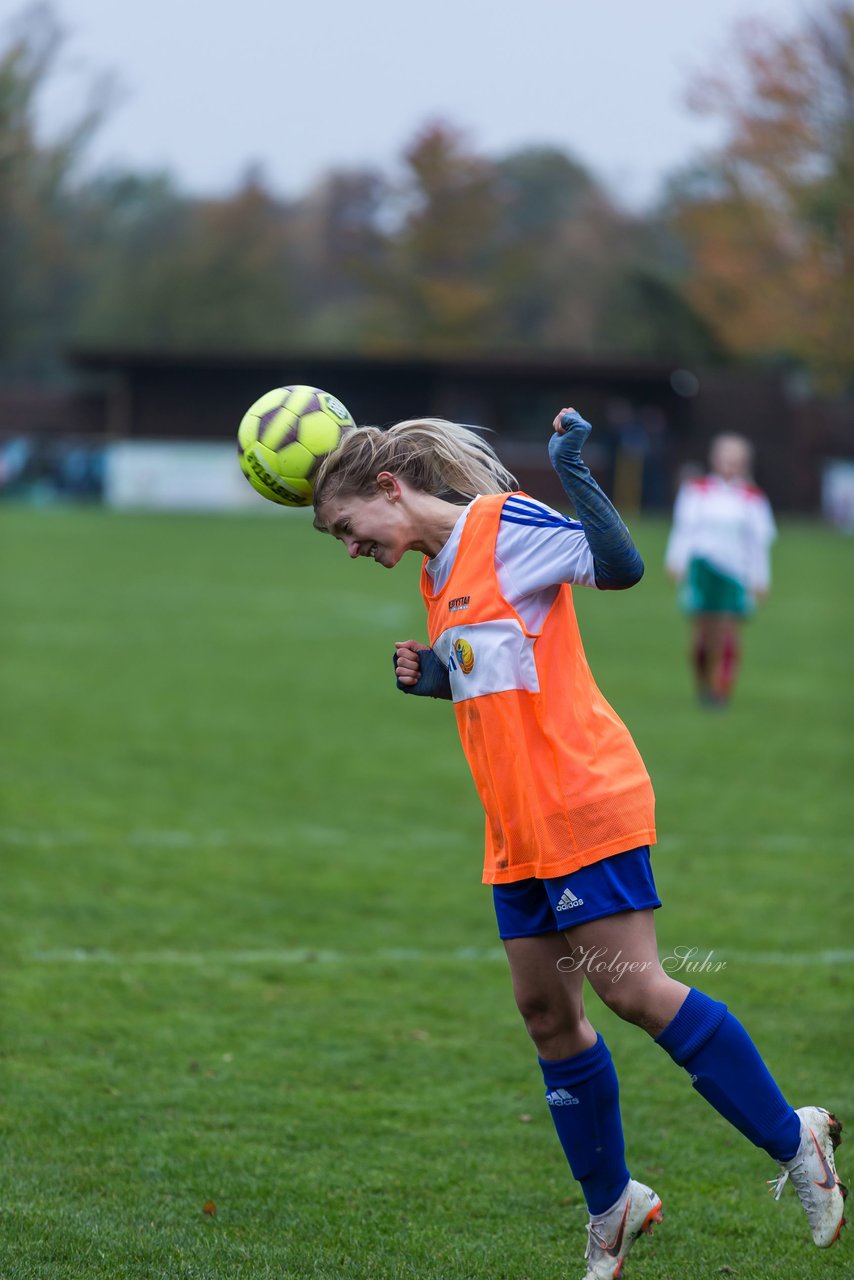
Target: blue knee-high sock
584, 1099
726, 1069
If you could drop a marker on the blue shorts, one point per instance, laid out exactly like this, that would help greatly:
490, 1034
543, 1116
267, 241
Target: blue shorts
623, 882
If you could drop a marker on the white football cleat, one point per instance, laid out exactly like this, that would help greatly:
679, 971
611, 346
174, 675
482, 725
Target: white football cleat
813, 1175
610, 1235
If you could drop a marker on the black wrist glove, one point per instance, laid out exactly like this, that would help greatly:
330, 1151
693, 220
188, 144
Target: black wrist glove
433, 682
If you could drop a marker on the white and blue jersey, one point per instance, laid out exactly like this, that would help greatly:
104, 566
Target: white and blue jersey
536, 550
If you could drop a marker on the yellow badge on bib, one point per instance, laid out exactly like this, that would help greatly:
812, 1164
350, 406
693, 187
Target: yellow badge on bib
465, 655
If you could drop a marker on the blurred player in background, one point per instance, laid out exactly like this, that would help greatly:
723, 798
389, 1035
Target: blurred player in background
719, 551
568, 801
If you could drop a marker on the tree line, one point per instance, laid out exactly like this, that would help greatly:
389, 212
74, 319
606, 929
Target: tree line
747, 255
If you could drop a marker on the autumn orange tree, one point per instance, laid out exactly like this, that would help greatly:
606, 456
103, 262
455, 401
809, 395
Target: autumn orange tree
467, 253
769, 218
450, 251
433, 282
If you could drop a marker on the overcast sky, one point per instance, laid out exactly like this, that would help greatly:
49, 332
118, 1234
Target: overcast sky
208, 88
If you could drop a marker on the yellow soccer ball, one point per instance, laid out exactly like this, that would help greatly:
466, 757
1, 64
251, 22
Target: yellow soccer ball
283, 438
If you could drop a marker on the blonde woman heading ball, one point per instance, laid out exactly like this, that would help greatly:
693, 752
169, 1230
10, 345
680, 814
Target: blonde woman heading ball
568, 801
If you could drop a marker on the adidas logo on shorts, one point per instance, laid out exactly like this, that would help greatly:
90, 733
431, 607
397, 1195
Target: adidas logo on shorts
568, 900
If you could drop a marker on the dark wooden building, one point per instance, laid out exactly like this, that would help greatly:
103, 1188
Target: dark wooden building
651, 418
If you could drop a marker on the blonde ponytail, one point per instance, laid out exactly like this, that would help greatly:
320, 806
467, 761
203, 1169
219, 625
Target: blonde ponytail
432, 455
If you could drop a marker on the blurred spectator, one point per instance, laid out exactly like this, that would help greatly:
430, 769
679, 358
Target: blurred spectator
44, 468
654, 493
631, 445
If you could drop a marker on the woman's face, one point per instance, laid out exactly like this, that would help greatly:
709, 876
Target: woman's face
730, 458
377, 527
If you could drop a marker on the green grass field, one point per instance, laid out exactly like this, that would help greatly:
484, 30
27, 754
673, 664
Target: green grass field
246, 955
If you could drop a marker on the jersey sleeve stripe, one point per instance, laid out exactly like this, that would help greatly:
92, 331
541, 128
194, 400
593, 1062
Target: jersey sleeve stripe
525, 507
562, 523
528, 504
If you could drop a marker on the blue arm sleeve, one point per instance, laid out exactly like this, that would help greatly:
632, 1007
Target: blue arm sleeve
616, 560
434, 681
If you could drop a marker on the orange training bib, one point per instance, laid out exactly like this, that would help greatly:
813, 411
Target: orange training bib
562, 783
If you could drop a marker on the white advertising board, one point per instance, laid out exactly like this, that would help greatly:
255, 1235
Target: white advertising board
179, 476
837, 493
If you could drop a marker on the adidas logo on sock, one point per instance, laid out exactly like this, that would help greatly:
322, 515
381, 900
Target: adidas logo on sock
568, 900
561, 1098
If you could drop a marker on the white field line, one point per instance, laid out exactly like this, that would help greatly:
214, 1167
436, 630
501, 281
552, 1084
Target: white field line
165, 838
173, 958
316, 833
310, 833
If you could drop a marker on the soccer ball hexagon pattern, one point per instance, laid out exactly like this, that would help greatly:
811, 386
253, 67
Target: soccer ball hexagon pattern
284, 436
